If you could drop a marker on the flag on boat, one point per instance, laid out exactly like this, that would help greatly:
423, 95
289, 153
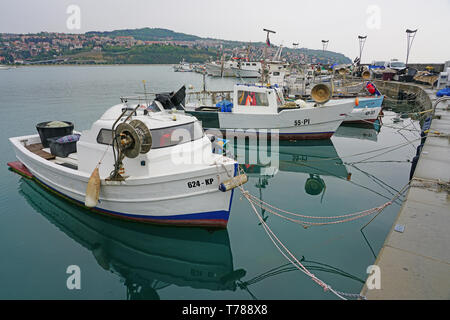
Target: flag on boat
267, 40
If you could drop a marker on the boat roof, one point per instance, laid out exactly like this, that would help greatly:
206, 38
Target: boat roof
256, 85
154, 120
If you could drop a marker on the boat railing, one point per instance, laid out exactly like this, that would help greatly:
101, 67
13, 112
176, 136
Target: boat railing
147, 98
209, 97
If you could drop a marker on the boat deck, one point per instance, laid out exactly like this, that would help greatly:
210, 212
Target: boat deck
38, 149
71, 161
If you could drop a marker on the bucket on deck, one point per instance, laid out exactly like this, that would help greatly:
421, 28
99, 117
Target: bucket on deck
46, 130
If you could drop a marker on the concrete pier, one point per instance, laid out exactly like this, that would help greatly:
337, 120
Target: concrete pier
415, 263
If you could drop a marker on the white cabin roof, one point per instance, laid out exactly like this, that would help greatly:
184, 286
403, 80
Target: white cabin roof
153, 120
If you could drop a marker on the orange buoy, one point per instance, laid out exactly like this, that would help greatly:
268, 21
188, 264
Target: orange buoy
356, 102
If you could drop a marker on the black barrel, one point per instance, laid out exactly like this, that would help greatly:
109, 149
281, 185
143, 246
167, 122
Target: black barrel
52, 132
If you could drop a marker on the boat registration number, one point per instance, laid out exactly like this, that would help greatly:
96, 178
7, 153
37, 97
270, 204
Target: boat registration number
302, 122
198, 183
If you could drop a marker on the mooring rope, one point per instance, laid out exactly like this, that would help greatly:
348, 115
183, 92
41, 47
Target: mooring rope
102, 157
384, 125
289, 255
295, 262
342, 218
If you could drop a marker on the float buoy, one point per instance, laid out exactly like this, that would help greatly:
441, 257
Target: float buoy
93, 189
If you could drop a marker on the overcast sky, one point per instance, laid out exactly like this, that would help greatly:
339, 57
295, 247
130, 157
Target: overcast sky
307, 22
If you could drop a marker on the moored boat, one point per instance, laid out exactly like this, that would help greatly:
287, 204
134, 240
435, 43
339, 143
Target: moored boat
366, 110
183, 66
261, 109
240, 68
148, 164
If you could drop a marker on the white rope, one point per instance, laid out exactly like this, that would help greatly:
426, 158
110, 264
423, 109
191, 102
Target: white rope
288, 255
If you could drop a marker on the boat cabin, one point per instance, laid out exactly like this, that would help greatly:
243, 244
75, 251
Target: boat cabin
251, 98
170, 132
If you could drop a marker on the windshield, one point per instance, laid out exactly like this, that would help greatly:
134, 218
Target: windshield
398, 65
163, 137
378, 63
170, 136
251, 98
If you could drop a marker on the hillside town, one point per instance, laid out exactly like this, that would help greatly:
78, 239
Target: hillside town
48, 47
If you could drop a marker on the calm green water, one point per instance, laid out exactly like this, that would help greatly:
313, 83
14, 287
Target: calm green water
41, 235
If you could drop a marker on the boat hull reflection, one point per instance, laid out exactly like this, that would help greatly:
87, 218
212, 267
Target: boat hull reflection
310, 157
146, 257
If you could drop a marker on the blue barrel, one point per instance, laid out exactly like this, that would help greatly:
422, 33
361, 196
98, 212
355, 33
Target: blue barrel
225, 106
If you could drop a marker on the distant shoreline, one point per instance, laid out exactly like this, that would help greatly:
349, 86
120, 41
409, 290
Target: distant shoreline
87, 65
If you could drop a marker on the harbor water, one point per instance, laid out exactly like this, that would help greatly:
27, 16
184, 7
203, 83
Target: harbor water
42, 234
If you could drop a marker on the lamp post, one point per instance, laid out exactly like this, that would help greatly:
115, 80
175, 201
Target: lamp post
264, 72
362, 41
325, 44
410, 35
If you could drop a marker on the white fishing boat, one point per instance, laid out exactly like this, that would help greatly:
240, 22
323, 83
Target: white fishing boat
139, 162
367, 109
262, 109
183, 66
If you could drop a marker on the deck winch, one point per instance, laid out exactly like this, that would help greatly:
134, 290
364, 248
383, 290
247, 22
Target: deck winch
130, 139
134, 138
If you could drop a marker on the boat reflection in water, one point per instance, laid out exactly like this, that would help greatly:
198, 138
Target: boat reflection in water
146, 257
357, 131
315, 158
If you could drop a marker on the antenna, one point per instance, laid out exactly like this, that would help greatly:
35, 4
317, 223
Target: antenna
410, 35
145, 93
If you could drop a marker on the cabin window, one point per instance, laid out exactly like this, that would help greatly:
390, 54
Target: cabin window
167, 137
104, 136
253, 64
163, 137
276, 73
251, 98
